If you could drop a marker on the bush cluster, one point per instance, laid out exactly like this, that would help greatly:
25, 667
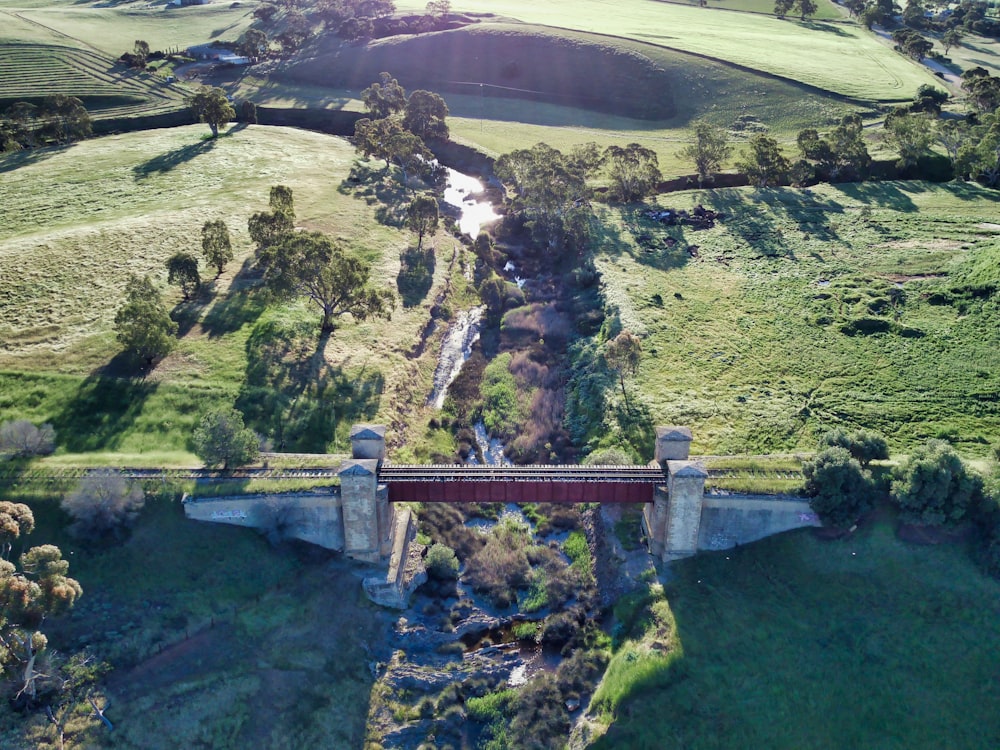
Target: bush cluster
21, 438
935, 487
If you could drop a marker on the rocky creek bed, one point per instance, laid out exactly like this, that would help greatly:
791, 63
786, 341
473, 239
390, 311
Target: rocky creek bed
453, 645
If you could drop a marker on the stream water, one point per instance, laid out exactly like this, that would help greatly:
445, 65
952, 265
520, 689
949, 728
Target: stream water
461, 193
455, 349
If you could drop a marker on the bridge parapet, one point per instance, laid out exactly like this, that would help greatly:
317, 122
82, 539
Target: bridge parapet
672, 444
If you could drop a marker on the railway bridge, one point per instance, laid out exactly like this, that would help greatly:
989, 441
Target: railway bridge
367, 520
671, 486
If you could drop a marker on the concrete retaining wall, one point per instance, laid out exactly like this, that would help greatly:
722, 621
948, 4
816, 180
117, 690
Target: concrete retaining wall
729, 520
315, 516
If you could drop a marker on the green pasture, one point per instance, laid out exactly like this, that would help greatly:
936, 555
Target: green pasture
975, 51
32, 70
852, 305
113, 30
795, 642
825, 11
837, 57
216, 639
79, 220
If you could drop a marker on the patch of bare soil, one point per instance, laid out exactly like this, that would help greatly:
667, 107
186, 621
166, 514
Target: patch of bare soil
921, 244
201, 654
933, 534
901, 278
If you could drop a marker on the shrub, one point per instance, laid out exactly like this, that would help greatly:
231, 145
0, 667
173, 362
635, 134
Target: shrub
441, 563
22, 438
491, 706
839, 489
610, 457
103, 503
526, 631
541, 720
864, 445
501, 566
501, 405
445, 524
561, 629
934, 486
578, 551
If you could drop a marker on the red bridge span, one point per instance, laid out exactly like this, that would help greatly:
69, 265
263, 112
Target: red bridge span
521, 484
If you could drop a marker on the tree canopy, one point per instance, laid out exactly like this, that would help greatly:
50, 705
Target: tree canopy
709, 150
267, 227
222, 438
934, 487
910, 134
763, 162
623, 354
550, 192
312, 265
103, 503
425, 115
864, 446
838, 488
634, 171
216, 246
422, 216
20, 437
30, 591
385, 97
142, 324
211, 106
182, 270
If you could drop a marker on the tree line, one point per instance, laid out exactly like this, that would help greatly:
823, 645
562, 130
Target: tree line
55, 120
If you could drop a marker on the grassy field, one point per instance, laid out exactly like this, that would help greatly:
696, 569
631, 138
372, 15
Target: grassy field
31, 70
112, 30
825, 10
975, 51
838, 57
216, 639
806, 310
795, 642
89, 215
515, 60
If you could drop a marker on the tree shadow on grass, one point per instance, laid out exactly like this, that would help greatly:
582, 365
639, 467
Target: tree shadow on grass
173, 159
241, 305
750, 217
375, 185
416, 275
636, 424
830, 28
882, 194
809, 211
294, 397
104, 407
652, 243
13, 160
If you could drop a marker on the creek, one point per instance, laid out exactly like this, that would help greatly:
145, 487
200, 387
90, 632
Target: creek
461, 193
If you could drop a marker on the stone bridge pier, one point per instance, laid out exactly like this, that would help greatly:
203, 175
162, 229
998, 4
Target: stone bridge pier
368, 516
673, 520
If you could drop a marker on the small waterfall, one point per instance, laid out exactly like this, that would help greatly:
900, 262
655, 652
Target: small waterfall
455, 349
